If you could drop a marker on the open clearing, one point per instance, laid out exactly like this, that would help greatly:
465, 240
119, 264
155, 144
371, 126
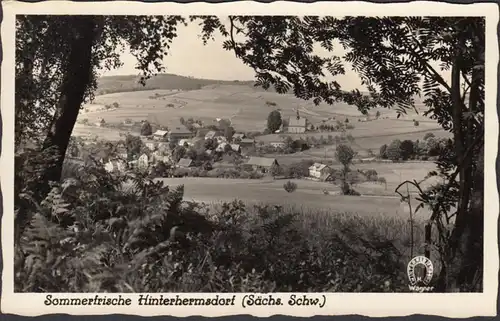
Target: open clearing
309, 195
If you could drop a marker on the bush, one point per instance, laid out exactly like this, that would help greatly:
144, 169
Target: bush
290, 187
146, 238
429, 135
407, 149
394, 150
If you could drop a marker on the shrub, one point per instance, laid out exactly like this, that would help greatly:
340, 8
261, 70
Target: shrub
290, 187
146, 129
382, 180
407, 149
274, 121
394, 150
429, 135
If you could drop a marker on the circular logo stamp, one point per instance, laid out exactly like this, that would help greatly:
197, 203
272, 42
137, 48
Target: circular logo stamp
420, 271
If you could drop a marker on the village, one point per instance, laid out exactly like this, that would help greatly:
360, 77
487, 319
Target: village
216, 150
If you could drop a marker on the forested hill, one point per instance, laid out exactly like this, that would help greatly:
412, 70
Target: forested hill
114, 84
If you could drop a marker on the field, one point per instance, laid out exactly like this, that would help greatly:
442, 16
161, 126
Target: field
247, 108
375, 200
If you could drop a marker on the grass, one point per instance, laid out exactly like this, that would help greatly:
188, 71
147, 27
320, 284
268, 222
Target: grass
308, 194
243, 104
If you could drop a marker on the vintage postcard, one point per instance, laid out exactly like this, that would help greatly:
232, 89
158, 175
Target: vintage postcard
246, 158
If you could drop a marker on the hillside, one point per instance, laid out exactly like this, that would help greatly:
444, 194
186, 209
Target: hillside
129, 83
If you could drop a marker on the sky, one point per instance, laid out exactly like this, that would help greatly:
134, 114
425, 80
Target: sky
189, 57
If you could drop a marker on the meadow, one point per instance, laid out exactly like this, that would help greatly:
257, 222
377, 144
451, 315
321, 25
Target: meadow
245, 106
375, 200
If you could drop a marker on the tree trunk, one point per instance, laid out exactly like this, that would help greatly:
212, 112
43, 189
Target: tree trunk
77, 76
76, 80
463, 254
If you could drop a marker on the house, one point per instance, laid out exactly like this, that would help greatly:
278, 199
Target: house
262, 164
163, 147
236, 148
318, 170
180, 132
143, 162
185, 163
160, 134
100, 122
122, 153
160, 157
211, 134
115, 166
183, 142
150, 145
297, 124
245, 142
278, 144
220, 147
238, 136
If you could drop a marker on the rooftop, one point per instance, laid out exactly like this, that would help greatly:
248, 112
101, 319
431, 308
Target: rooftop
261, 161
294, 122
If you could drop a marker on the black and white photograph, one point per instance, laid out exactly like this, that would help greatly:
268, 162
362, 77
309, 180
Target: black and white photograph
236, 153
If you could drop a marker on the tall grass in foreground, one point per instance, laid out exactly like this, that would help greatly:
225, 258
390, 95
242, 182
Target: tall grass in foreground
91, 235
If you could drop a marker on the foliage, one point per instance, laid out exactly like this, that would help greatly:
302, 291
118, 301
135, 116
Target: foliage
161, 169
90, 234
394, 151
290, 187
383, 151
275, 170
146, 129
344, 154
228, 133
134, 146
178, 153
407, 149
429, 135
297, 170
210, 144
274, 121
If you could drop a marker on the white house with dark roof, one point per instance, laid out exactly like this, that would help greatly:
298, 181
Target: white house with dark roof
297, 124
160, 134
143, 162
238, 136
318, 170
